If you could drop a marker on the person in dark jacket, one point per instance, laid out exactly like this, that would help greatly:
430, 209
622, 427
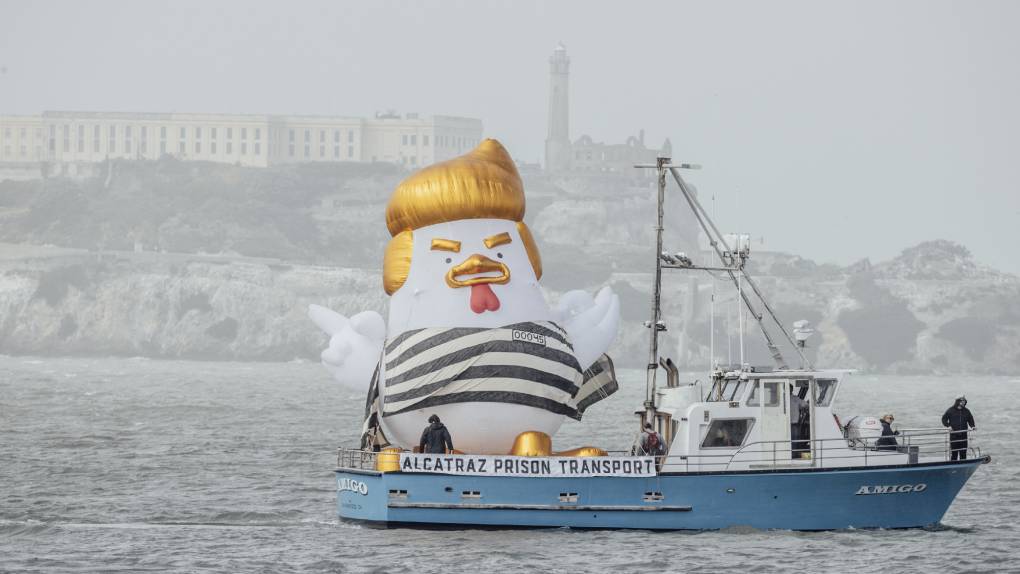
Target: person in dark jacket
800, 422
651, 442
888, 439
435, 439
958, 419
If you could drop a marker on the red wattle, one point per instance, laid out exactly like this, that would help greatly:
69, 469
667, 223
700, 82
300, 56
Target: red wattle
483, 299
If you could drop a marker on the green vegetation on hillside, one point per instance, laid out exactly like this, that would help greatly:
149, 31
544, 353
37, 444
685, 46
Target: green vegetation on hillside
287, 212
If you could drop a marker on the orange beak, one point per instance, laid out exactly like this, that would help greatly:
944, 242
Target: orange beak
474, 265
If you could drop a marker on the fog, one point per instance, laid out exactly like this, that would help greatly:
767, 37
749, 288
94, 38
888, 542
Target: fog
209, 211
829, 131
835, 130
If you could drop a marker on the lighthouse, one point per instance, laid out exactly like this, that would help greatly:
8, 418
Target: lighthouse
557, 141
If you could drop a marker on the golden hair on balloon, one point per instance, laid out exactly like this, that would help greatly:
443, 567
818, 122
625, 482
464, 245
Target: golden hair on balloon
482, 184
397, 261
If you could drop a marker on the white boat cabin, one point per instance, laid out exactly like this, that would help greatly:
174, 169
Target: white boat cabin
762, 420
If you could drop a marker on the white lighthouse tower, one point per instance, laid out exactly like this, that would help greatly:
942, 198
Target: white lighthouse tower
557, 142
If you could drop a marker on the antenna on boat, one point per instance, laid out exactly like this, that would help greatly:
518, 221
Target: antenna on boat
740, 320
729, 335
711, 328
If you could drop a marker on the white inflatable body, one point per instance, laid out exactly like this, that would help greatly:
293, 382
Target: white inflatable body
427, 299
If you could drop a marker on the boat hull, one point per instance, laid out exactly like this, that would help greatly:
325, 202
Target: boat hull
906, 496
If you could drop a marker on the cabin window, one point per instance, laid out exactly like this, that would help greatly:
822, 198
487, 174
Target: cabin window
799, 390
826, 391
737, 391
727, 390
727, 433
771, 394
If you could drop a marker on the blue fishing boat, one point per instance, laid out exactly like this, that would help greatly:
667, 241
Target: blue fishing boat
756, 446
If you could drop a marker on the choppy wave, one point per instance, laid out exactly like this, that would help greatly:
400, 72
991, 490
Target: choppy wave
234, 518
138, 465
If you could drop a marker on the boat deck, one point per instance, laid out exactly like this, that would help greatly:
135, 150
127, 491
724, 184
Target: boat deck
914, 447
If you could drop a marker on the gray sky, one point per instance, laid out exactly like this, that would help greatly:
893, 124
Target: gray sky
851, 129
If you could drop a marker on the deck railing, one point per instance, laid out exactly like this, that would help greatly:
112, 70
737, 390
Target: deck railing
919, 445
357, 459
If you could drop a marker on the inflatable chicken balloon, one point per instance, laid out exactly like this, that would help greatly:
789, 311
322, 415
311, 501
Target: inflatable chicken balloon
470, 337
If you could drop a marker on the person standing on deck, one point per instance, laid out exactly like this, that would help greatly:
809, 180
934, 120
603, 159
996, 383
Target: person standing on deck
958, 418
435, 439
651, 442
800, 432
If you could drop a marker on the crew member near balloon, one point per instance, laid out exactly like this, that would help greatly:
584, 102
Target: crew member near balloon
435, 439
470, 337
958, 419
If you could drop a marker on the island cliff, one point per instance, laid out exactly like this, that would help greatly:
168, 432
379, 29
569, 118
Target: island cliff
174, 260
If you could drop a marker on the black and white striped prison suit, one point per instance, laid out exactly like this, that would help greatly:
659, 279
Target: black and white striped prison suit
530, 363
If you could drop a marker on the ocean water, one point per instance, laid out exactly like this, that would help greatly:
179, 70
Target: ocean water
132, 465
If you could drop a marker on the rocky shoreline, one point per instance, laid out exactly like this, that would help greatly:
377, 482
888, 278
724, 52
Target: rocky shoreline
120, 266
893, 317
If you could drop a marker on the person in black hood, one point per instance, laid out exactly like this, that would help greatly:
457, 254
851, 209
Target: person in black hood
888, 439
958, 418
435, 439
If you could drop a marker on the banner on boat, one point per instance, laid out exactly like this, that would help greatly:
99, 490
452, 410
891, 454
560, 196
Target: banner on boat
551, 466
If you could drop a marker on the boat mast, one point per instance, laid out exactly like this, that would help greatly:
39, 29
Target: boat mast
733, 264
656, 324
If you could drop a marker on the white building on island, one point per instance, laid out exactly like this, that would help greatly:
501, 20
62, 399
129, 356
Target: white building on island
70, 143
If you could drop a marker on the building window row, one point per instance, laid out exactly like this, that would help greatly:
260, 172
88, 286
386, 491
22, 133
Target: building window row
22, 142
459, 142
130, 134
306, 137
80, 128
412, 140
22, 151
211, 141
